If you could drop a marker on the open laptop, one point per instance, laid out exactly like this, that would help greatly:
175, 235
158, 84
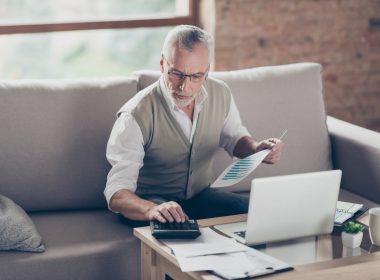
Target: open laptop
287, 207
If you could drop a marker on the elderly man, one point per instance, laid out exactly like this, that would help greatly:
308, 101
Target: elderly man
162, 145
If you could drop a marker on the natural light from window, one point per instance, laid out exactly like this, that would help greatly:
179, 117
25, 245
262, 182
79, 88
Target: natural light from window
83, 53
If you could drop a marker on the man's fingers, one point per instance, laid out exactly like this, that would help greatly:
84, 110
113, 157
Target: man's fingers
176, 212
270, 143
160, 214
180, 215
157, 215
169, 211
275, 154
166, 214
267, 145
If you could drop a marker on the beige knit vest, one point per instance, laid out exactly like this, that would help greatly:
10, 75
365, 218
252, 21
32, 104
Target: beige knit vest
174, 167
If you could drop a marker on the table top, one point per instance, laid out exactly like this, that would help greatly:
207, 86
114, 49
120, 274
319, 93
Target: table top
327, 259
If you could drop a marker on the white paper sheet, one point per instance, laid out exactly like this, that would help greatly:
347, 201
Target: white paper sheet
239, 169
228, 261
260, 264
212, 251
345, 210
209, 251
208, 243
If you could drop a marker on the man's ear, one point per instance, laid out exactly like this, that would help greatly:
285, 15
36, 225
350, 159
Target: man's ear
162, 63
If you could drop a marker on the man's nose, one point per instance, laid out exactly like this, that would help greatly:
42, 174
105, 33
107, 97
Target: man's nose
185, 83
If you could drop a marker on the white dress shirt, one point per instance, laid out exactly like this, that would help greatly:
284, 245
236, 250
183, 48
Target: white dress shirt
125, 148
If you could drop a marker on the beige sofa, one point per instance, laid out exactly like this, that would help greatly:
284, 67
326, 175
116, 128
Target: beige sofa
53, 139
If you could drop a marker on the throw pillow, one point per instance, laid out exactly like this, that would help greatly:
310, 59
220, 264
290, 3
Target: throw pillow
17, 231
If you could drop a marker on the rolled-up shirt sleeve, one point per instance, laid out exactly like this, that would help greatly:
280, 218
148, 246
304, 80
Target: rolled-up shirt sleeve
125, 153
232, 130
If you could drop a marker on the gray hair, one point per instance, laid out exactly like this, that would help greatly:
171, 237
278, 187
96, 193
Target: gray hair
187, 36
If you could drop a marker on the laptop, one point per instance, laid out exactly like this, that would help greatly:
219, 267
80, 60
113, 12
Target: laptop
288, 207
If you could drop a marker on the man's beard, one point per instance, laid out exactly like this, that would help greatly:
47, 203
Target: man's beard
182, 102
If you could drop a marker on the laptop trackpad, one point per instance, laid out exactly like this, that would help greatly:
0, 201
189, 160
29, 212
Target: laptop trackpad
234, 230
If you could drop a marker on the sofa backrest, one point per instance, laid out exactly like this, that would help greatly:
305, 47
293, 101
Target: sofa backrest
53, 133
273, 99
53, 136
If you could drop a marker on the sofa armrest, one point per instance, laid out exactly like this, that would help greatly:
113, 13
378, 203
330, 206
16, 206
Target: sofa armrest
356, 151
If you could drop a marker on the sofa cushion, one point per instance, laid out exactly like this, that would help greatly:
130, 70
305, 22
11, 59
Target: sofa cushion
79, 245
53, 140
146, 78
271, 100
17, 231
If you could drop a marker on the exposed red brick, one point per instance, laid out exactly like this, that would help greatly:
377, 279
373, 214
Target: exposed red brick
344, 36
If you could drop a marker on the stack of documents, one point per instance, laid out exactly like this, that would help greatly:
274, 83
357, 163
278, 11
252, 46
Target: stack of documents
224, 256
346, 210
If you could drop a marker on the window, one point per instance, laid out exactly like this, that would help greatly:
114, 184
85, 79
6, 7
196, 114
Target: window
71, 38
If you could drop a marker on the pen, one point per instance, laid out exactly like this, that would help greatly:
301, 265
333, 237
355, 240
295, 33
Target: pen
283, 134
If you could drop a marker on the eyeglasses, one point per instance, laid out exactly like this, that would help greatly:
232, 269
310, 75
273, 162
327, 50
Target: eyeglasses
179, 76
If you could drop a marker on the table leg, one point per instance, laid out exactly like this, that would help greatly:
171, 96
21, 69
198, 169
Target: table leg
167, 270
148, 262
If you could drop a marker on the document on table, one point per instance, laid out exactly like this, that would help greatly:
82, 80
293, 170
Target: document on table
346, 210
210, 250
224, 256
240, 169
260, 264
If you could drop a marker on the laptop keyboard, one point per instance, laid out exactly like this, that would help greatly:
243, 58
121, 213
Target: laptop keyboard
240, 233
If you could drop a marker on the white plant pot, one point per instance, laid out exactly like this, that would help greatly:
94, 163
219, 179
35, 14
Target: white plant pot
351, 240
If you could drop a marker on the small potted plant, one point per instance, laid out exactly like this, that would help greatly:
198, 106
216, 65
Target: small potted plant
352, 234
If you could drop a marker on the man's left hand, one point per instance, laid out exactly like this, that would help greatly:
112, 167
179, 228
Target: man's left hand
275, 145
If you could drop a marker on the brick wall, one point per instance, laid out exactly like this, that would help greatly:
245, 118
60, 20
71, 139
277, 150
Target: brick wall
342, 35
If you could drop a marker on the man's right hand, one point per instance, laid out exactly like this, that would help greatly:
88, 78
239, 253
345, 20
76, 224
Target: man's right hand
133, 207
167, 212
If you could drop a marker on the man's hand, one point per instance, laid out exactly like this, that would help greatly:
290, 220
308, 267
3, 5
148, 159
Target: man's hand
167, 212
133, 207
247, 146
275, 145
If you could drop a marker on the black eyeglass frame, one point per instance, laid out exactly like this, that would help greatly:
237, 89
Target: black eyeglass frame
180, 76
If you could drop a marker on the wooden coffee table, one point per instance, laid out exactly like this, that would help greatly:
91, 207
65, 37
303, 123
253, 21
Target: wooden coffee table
158, 261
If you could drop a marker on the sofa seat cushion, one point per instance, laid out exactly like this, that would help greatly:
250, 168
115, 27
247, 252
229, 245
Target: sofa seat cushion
79, 245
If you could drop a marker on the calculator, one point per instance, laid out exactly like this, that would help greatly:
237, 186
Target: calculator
187, 230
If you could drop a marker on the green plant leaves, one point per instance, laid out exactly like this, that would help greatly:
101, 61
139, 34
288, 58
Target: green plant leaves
352, 227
